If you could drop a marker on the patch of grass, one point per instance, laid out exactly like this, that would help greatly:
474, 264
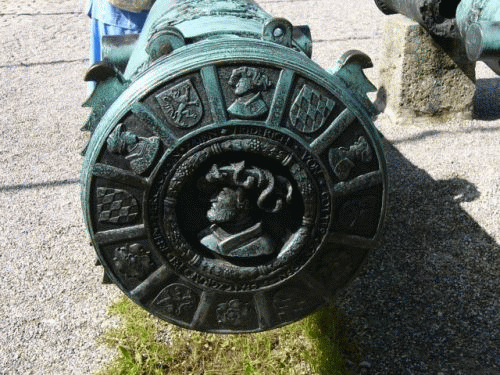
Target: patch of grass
326, 330
147, 345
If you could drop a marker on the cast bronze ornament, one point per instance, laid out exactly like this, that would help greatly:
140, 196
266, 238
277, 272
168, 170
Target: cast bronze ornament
231, 184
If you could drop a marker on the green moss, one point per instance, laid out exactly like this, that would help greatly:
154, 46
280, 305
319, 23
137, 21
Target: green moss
147, 345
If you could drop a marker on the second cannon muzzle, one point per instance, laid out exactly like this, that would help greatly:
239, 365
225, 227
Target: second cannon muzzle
475, 22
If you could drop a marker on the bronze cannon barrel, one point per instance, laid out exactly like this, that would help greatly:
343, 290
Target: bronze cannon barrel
474, 22
438, 16
230, 184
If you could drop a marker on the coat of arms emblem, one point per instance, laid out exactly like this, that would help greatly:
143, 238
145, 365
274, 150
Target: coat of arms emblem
310, 110
181, 105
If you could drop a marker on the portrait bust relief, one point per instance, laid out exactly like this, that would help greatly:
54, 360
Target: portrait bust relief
248, 84
243, 195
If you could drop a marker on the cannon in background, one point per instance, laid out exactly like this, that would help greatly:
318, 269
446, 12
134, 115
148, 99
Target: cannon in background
475, 22
230, 184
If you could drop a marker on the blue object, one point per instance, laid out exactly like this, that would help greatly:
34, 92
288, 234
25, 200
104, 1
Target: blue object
107, 19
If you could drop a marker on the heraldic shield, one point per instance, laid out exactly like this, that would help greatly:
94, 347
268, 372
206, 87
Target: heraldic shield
234, 195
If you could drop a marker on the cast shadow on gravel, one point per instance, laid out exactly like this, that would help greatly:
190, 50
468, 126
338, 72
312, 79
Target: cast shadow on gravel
486, 99
431, 133
39, 185
428, 299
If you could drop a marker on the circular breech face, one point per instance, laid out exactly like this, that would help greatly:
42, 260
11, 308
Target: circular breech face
235, 199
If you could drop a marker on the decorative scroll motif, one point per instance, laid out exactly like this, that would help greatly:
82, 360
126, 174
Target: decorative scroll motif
181, 105
249, 83
233, 231
343, 160
116, 206
133, 261
310, 110
176, 300
139, 151
290, 303
233, 313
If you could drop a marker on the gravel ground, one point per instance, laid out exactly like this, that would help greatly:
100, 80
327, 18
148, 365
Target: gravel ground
53, 306
427, 300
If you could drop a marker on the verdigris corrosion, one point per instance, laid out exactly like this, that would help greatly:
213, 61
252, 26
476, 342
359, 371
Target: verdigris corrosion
230, 183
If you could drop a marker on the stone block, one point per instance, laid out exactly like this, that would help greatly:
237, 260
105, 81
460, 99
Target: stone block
422, 78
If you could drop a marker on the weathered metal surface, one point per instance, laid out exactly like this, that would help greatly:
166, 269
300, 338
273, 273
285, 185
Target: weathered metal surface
438, 16
232, 185
135, 6
479, 25
475, 22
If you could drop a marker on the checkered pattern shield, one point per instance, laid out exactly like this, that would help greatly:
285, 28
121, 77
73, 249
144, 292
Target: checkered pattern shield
116, 206
310, 110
